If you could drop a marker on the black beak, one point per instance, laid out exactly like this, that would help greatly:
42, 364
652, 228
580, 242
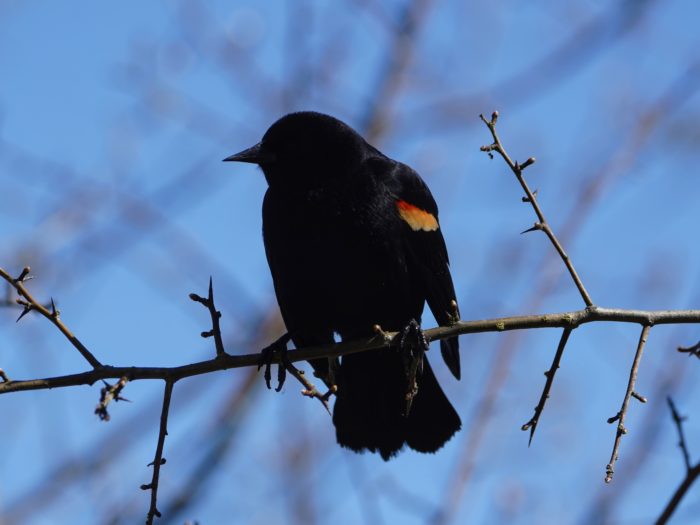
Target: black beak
254, 155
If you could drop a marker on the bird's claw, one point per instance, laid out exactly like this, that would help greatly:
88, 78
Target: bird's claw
413, 344
267, 356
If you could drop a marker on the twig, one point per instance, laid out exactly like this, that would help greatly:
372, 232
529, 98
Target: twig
571, 320
691, 350
691, 472
278, 350
678, 421
159, 460
549, 374
222, 432
531, 197
29, 303
310, 389
620, 416
689, 479
215, 331
400, 53
108, 394
285, 366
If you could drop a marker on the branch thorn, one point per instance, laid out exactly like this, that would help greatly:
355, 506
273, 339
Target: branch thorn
527, 199
54, 313
535, 227
27, 308
691, 350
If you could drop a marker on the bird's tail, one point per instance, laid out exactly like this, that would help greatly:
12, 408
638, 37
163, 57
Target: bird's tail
371, 400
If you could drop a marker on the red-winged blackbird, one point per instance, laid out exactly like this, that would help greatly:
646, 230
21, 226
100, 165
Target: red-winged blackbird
353, 240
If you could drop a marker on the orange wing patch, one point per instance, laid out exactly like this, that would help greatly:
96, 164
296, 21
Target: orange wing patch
416, 218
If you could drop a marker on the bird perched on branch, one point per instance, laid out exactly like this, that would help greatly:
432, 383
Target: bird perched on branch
354, 243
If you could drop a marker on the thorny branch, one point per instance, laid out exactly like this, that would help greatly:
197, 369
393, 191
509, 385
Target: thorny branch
159, 460
309, 389
29, 303
108, 394
692, 472
569, 321
691, 350
531, 197
549, 374
285, 365
629, 393
215, 331
543, 225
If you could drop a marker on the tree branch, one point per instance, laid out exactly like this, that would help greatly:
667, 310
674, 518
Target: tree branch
158, 460
620, 416
678, 421
215, 331
691, 472
108, 394
691, 350
531, 197
29, 304
571, 320
549, 374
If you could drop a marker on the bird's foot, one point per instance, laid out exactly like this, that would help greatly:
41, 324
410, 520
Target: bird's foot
267, 356
412, 344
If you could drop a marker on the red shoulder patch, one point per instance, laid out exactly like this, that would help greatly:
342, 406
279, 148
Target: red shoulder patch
416, 218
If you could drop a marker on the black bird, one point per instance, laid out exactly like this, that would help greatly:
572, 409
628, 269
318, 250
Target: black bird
353, 240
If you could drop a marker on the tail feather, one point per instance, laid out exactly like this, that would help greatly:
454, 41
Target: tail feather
370, 401
369, 389
433, 420
449, 348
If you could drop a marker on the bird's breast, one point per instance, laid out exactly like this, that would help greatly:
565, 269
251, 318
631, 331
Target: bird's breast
336, 259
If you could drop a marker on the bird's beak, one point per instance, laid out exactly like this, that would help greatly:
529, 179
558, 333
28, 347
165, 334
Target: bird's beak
254, 155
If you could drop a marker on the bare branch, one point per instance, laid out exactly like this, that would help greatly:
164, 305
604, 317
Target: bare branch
309, 389
691, 472
158, 460
531, 197
620, 416
571, 320
549, 374
691, 350
398, 59
689, 479
108, 394
29, 303
215, 331
678, 421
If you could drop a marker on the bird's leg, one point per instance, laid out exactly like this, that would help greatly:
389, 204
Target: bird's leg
267, 354
412, 344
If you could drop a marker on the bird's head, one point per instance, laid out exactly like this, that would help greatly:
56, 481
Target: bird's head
306, 150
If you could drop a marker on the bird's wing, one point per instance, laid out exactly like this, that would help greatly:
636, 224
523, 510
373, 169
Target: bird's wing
427, 253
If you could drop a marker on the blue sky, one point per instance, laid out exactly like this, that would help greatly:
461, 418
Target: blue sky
114, 119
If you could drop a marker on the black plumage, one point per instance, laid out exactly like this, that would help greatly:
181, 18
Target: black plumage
353, 240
